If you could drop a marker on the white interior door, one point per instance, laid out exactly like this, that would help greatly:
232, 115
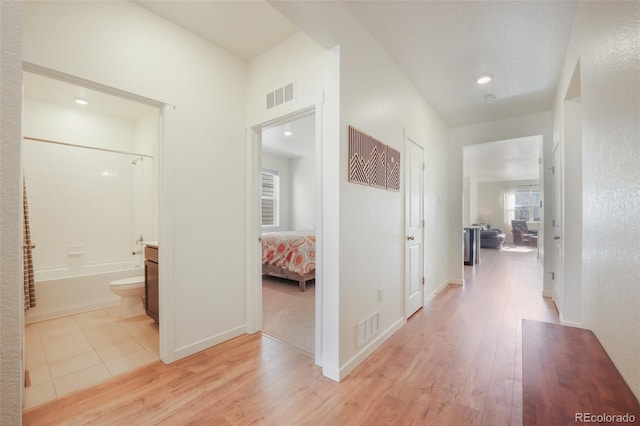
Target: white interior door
558, 260
414, 194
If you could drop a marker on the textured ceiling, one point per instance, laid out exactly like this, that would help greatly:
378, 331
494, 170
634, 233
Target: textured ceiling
506, 160
244, 28
444, 46
300, 143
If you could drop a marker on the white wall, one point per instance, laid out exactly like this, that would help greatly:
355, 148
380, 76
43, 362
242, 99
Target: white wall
303, 192
297, 191
316, 73
605, 38
466, 202
11, 318
490, 205
377, 98
122, 45
473, 201
528, 125
297, 59
283, 166
147, 139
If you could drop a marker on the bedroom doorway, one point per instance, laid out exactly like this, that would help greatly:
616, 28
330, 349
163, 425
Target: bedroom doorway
287, 214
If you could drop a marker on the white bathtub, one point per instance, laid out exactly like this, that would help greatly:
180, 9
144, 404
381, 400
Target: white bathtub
66, 291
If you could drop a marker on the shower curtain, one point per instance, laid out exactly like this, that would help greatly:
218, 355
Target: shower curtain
27, 247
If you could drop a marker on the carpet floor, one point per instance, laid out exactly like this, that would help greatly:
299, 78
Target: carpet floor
288, 314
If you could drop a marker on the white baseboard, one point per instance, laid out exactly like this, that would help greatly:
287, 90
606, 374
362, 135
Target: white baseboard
208, 342
569, 323
456, 281
435, 292
367, 350
331, 372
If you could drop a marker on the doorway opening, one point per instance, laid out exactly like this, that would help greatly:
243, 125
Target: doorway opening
90, 163
288, 199
502, 198
567, 179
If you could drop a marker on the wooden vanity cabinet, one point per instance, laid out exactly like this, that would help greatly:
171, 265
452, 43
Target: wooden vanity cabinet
152, 301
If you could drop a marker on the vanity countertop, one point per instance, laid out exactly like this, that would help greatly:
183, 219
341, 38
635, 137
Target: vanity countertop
153, 244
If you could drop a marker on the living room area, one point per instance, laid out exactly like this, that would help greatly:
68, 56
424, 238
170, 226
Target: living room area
502, 198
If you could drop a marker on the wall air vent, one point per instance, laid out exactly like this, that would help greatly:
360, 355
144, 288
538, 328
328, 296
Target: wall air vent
281, 95
368, 328
288, 92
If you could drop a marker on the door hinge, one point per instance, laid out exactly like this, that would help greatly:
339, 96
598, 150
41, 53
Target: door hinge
423, 223
422, 280
553, 275
424, 167
553, 170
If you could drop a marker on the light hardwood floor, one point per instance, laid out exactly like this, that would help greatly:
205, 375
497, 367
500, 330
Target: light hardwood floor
456, 362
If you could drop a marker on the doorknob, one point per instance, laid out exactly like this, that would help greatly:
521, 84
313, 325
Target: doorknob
410, 238
556, 237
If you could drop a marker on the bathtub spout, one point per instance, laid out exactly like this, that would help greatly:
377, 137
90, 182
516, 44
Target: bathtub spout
136, 252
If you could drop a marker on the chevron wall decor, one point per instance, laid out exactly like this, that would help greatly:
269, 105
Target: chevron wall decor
372, 163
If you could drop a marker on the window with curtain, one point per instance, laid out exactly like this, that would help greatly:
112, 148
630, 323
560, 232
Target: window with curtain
522, 203
269, 190
527, 204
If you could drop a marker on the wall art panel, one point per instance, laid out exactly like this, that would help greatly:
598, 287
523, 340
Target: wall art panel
393, 169
372, 163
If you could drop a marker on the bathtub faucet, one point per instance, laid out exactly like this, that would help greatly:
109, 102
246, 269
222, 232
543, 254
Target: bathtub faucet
140, 240
136, 252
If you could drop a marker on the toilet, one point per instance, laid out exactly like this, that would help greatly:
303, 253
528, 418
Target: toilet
130, 291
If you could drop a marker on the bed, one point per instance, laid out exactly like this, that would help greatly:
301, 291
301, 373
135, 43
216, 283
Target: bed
290, 255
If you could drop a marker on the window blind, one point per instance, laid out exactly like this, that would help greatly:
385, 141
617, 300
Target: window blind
269, 196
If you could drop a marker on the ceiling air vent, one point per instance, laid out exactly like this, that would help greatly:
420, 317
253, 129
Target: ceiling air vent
281, 95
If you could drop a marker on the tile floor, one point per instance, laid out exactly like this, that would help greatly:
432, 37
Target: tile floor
67, 354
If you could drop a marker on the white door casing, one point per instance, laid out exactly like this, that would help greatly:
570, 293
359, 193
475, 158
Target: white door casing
558, 260
254, 228
414, 224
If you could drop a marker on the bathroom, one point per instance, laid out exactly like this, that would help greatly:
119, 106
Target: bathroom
91, 185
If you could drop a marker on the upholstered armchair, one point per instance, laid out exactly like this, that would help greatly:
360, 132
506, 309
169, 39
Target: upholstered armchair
521, 232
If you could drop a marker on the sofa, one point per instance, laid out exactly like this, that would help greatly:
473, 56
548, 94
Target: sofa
491, 237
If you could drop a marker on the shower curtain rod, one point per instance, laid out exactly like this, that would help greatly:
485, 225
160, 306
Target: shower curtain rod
87, 147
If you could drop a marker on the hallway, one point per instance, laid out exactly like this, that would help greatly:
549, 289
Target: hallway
457, 361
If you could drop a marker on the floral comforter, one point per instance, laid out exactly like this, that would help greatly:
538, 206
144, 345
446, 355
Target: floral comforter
294, 251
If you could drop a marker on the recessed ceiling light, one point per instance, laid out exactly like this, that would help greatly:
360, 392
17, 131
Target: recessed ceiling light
490, 98
484, 79
80, 101
287, 133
